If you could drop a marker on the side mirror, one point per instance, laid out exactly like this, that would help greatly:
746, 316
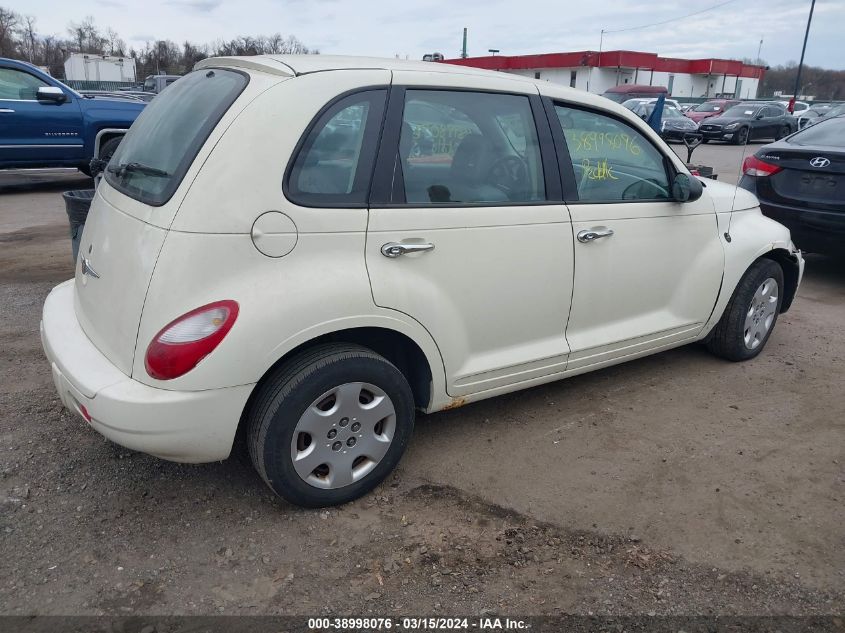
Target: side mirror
51, 93
686, 188
759, 116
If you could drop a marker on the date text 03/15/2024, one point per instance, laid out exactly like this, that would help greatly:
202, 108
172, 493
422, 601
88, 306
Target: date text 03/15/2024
417, 624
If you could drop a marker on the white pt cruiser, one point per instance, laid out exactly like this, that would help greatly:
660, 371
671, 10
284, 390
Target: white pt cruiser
308, 249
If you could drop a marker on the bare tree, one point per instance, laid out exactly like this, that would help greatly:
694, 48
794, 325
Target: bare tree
9, 21
29, 36
87, 36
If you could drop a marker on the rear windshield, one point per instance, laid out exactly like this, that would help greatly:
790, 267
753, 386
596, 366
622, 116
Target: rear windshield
830, 133
164, 140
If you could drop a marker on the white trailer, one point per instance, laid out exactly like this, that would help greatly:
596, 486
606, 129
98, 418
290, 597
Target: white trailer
92, 67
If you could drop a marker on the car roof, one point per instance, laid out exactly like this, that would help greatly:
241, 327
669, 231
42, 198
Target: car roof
304, 64
295, 65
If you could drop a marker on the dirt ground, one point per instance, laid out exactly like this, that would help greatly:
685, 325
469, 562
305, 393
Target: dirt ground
676, 484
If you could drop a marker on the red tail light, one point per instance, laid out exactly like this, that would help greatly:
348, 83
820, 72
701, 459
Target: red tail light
753, 166
184, 342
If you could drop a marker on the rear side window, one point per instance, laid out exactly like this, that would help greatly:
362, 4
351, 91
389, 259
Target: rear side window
334, 165
469, 148
164, 140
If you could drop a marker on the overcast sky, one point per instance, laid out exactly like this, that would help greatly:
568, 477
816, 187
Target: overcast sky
390, 27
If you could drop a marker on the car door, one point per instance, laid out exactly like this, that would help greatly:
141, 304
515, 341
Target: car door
773, 119
467, 232
33, 131
647, 268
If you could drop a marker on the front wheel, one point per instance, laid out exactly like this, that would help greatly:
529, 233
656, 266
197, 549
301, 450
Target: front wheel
108, 148
741, 137
751, 313
330, 425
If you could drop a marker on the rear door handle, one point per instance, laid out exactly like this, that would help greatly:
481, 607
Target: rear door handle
589, 236
6, 111
395, 249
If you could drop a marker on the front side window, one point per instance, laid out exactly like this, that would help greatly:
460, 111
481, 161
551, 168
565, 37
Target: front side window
469, 148
334, 165
612, 161
160, 146
18, 85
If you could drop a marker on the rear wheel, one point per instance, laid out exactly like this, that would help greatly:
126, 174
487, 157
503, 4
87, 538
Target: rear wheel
751, 314
783, 132
330, 425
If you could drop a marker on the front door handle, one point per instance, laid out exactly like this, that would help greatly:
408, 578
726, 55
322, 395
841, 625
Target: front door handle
395, 249
589, 236
6, 111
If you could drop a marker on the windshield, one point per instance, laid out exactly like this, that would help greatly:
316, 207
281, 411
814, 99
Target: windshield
707, 107
152, 160
741, 112
830, 132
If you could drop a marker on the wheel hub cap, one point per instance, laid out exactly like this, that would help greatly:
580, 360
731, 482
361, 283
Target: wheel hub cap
343, 435
761, 313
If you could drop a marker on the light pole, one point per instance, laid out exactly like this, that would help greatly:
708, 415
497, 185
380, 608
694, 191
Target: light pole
801, 63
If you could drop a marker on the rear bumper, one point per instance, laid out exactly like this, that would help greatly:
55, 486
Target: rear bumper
813, 231
182, 426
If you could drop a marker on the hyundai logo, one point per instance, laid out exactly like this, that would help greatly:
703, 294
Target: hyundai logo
820, 161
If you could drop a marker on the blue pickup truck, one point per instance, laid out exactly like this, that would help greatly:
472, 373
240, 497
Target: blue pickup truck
43, 123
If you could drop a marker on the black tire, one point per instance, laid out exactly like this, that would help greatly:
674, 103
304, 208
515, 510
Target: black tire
292, 388
85, 169
783, 132
741, 137
705, 140
728, 337
108, 148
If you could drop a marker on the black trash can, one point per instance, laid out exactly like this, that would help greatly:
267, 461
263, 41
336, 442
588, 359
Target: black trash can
77, 204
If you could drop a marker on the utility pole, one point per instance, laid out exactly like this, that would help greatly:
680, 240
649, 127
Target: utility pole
464, 47
759, 48
598, 62
801, 63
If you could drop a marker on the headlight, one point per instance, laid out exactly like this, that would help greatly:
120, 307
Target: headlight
731, 126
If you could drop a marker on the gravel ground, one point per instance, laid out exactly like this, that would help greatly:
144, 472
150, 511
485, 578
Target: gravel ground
677, 484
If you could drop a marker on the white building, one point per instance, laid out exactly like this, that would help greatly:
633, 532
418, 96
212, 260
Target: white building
596, 72
92, 67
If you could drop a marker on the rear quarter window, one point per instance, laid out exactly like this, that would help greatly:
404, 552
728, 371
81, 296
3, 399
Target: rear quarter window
160, 146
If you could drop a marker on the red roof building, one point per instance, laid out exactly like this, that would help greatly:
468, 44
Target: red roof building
596, 72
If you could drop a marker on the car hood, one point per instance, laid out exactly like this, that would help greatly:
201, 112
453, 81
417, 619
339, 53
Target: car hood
679, 123
726, 196
724, 120
112, 103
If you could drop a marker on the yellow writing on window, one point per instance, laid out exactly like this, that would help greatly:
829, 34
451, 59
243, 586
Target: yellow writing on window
594, 141
602, 170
